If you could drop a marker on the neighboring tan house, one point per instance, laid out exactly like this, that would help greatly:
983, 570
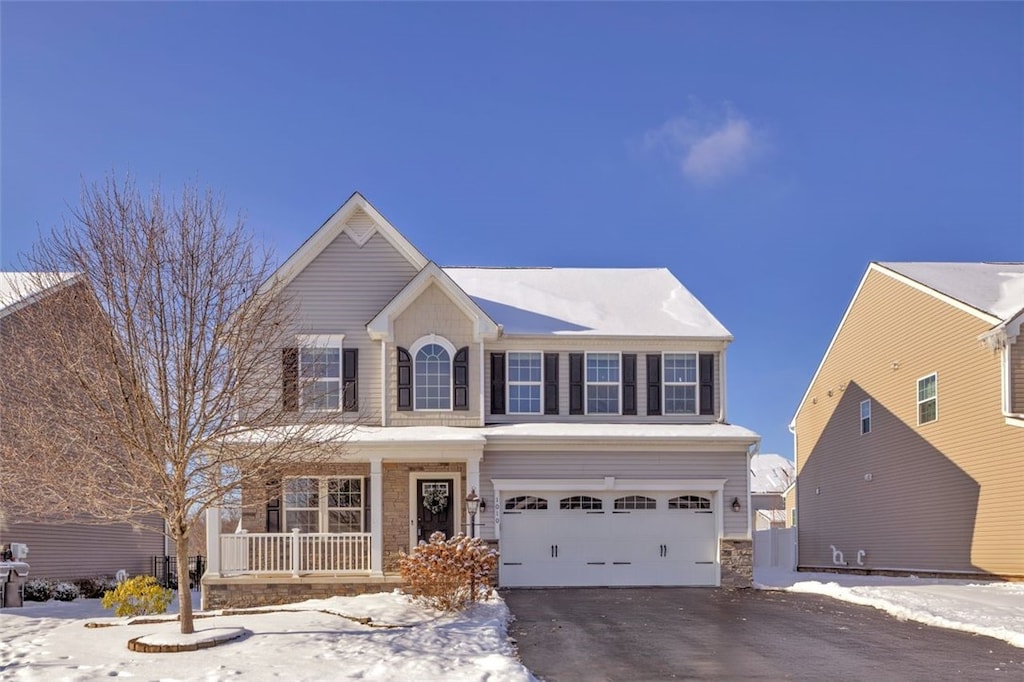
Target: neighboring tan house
910, 436
58, 550
585, 406
771, 478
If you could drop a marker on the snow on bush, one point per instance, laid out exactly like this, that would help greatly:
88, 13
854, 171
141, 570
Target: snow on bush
66, 591
94, 588
38, 589
449, 574
138, 596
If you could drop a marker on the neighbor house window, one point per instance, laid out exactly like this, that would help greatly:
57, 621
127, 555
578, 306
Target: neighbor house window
927, 399
524, 383
324, 504
680, 383
320, 372
865, 417
603, 383
433, 376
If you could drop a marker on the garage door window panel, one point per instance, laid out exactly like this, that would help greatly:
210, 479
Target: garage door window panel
583, 502
525, 502
689, 502
635, 502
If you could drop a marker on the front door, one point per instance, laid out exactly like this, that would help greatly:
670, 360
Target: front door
435, 507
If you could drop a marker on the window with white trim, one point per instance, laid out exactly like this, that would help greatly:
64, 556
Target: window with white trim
320, 372
679, 374
603, 383
322, 504
927, 399
865, 417
524, 377
432, 362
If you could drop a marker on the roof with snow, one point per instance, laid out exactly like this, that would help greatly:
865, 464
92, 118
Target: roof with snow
770, 473
588, 301
993, 288
18, 289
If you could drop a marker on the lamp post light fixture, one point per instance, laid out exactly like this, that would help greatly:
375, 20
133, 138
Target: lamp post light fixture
472, 506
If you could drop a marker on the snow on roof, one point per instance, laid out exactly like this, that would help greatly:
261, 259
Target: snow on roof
623, 431
18, 289
365, 435
591, 301
994, 288
770, 473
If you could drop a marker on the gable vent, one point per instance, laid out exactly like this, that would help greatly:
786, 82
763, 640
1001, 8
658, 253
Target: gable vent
360, 227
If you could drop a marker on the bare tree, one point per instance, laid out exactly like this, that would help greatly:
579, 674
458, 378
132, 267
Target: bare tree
143, 383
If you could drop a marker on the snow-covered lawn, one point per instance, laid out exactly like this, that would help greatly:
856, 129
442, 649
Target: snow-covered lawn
313, 640
985, 608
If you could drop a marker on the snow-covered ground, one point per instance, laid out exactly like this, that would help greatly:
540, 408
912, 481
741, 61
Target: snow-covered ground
985, 608
321, 639
313, 640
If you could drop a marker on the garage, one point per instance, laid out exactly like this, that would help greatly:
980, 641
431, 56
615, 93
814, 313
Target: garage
608, 538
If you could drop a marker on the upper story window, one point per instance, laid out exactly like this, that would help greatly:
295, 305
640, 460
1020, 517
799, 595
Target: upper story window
603, 383
524, 382
680, 378
324, 504
865, 417
927, 399
320, 372
433, 374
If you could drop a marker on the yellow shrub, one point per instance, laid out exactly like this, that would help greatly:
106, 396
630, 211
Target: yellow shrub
138, 596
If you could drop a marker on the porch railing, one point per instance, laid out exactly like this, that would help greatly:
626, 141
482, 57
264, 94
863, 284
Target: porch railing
295, 553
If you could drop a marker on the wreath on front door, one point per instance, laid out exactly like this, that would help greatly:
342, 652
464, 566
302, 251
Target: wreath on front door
435, 499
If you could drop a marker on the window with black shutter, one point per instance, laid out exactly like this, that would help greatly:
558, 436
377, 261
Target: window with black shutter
654, 384
497, 383
460, 379
551, 383
628, 383
350, 379
707, 383
575, 383
404, 365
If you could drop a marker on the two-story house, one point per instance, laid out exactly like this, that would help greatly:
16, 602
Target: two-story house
910, 435
586, 407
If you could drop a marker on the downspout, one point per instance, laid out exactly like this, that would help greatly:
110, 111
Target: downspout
751, 451
796, 491
480, 383
721, 377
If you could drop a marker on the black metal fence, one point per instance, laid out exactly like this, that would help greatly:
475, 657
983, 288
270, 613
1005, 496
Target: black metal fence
165, 570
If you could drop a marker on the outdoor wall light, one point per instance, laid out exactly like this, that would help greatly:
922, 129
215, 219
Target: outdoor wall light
735, 504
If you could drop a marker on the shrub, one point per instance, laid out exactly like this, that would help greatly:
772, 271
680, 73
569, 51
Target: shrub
65, 591
138, 596
38, 589
94, 588
449, 574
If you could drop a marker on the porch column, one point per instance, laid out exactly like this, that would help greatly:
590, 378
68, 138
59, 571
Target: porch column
377, 518
212, 552
473, 483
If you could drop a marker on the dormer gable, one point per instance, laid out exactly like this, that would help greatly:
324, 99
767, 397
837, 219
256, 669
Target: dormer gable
381, 327
359, 221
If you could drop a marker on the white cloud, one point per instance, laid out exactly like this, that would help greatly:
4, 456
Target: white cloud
708, 147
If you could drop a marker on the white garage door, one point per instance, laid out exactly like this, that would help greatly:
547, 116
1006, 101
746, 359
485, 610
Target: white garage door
600, 538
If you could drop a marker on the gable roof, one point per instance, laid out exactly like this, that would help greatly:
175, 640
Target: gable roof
382, 325
985, 290
996, 289
360, 220
20, 289
770, 473
588, 301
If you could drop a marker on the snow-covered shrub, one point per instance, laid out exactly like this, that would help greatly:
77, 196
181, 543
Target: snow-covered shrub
38, 589
94, 588
65, 591
449, 574
138, 596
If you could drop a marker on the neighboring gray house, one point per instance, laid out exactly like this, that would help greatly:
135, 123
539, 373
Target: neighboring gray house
772, 477
586, 406
58, 550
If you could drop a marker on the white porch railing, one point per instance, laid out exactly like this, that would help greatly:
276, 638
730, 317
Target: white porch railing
295, 553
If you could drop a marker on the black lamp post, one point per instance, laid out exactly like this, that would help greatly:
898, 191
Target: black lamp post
472, 506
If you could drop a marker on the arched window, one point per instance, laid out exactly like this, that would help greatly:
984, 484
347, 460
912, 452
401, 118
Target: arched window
432, 357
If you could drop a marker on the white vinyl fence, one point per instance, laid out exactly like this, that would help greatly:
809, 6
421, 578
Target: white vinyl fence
775, 548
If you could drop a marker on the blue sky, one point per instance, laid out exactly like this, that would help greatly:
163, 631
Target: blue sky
765, 153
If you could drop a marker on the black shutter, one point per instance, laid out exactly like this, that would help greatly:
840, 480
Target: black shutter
290, 379
497, 383
460, 370
551, 383
707, 383
350, 379
366, 504
274, 507
404, 379
628, 383
575, 383
654, 384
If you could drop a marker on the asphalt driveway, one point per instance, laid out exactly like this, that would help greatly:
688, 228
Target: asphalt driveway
702, 633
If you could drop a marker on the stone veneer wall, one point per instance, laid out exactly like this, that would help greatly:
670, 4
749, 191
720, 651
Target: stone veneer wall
396, 504
737, 563
224, 593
